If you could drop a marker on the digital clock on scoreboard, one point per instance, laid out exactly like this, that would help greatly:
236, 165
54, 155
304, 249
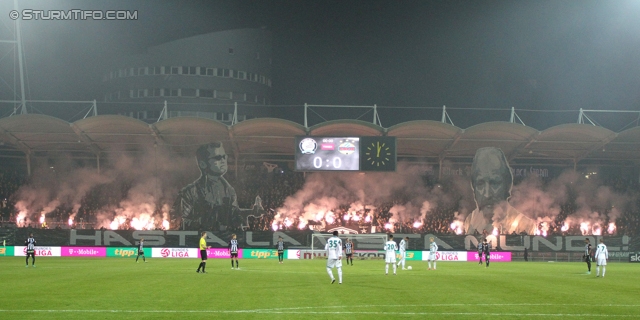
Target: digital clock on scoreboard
345, 153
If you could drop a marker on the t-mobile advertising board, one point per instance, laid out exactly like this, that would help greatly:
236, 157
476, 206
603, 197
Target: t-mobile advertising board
220, 253
39, 251
446, 255
100, 252
498, 256
174, 252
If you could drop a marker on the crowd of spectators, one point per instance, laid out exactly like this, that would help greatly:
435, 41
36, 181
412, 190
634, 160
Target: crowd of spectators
274, 186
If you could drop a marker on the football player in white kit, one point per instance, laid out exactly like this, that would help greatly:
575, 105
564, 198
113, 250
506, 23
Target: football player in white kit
403, 251
334, 256
433, 249
390, 257
602, 254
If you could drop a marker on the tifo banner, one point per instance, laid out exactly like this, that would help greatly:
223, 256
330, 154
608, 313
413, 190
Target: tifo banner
262, 254
446, 255
302, 239
39, 251
493, 257
174, 252
6, 251
123, 252
220, 253
84, 252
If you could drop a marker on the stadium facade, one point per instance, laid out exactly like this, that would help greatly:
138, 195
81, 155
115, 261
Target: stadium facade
201, 76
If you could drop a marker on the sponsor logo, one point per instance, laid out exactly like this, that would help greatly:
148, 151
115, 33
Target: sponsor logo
634, 257
308, 146
174, 253
3, 251
84, 252
263, 254
126, 252
494, 256
445, 256
347, 148
42, 251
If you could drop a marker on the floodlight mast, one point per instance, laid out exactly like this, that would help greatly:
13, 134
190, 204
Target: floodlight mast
23, 100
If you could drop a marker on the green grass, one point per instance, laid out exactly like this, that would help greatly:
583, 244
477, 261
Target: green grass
112, 288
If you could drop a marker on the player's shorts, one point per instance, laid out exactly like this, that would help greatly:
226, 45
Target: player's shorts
234, 254
390, 258
280, 252
602, 261
140, 252
31, 252
334, 263
203, 254
403, 255
432, 256
349, 255
487, 256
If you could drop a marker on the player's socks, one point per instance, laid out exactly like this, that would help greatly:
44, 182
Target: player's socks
603, 270
386, 268
340, 275
144, 259
434, 264
330, 274
231, 263
199, 267
237, 265
204, 266
597, 271
394, 268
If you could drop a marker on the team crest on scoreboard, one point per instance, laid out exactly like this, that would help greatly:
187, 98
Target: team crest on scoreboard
347, 148
308, 146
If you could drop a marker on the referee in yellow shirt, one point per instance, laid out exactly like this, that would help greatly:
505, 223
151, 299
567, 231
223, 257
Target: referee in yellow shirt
203, 253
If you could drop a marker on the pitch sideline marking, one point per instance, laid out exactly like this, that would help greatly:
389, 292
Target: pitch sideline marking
337, 313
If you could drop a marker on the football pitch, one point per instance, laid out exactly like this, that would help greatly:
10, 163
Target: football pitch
112, 288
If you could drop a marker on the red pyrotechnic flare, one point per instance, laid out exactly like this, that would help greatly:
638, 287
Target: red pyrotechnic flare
612, 228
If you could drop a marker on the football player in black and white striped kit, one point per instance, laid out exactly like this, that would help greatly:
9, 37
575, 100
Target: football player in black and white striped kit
233, 250
280, 247
348, 250
141, 251
31, 250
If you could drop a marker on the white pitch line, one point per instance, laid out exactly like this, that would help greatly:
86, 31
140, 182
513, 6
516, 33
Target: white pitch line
338, 313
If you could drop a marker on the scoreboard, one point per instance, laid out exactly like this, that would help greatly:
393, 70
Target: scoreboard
315, 153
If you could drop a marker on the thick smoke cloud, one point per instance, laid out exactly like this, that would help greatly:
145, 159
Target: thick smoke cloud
138, 190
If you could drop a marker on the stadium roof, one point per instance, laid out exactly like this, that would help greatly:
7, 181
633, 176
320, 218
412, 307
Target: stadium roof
269, 138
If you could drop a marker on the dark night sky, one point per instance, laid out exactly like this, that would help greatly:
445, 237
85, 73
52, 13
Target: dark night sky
538, 55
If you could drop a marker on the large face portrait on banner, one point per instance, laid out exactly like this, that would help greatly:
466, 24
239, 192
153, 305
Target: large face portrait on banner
491, 181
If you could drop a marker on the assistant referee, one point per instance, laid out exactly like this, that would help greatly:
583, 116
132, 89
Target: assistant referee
203, 253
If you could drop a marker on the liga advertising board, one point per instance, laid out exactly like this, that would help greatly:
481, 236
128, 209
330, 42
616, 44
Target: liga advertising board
174, 252
21, 251
446, 255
